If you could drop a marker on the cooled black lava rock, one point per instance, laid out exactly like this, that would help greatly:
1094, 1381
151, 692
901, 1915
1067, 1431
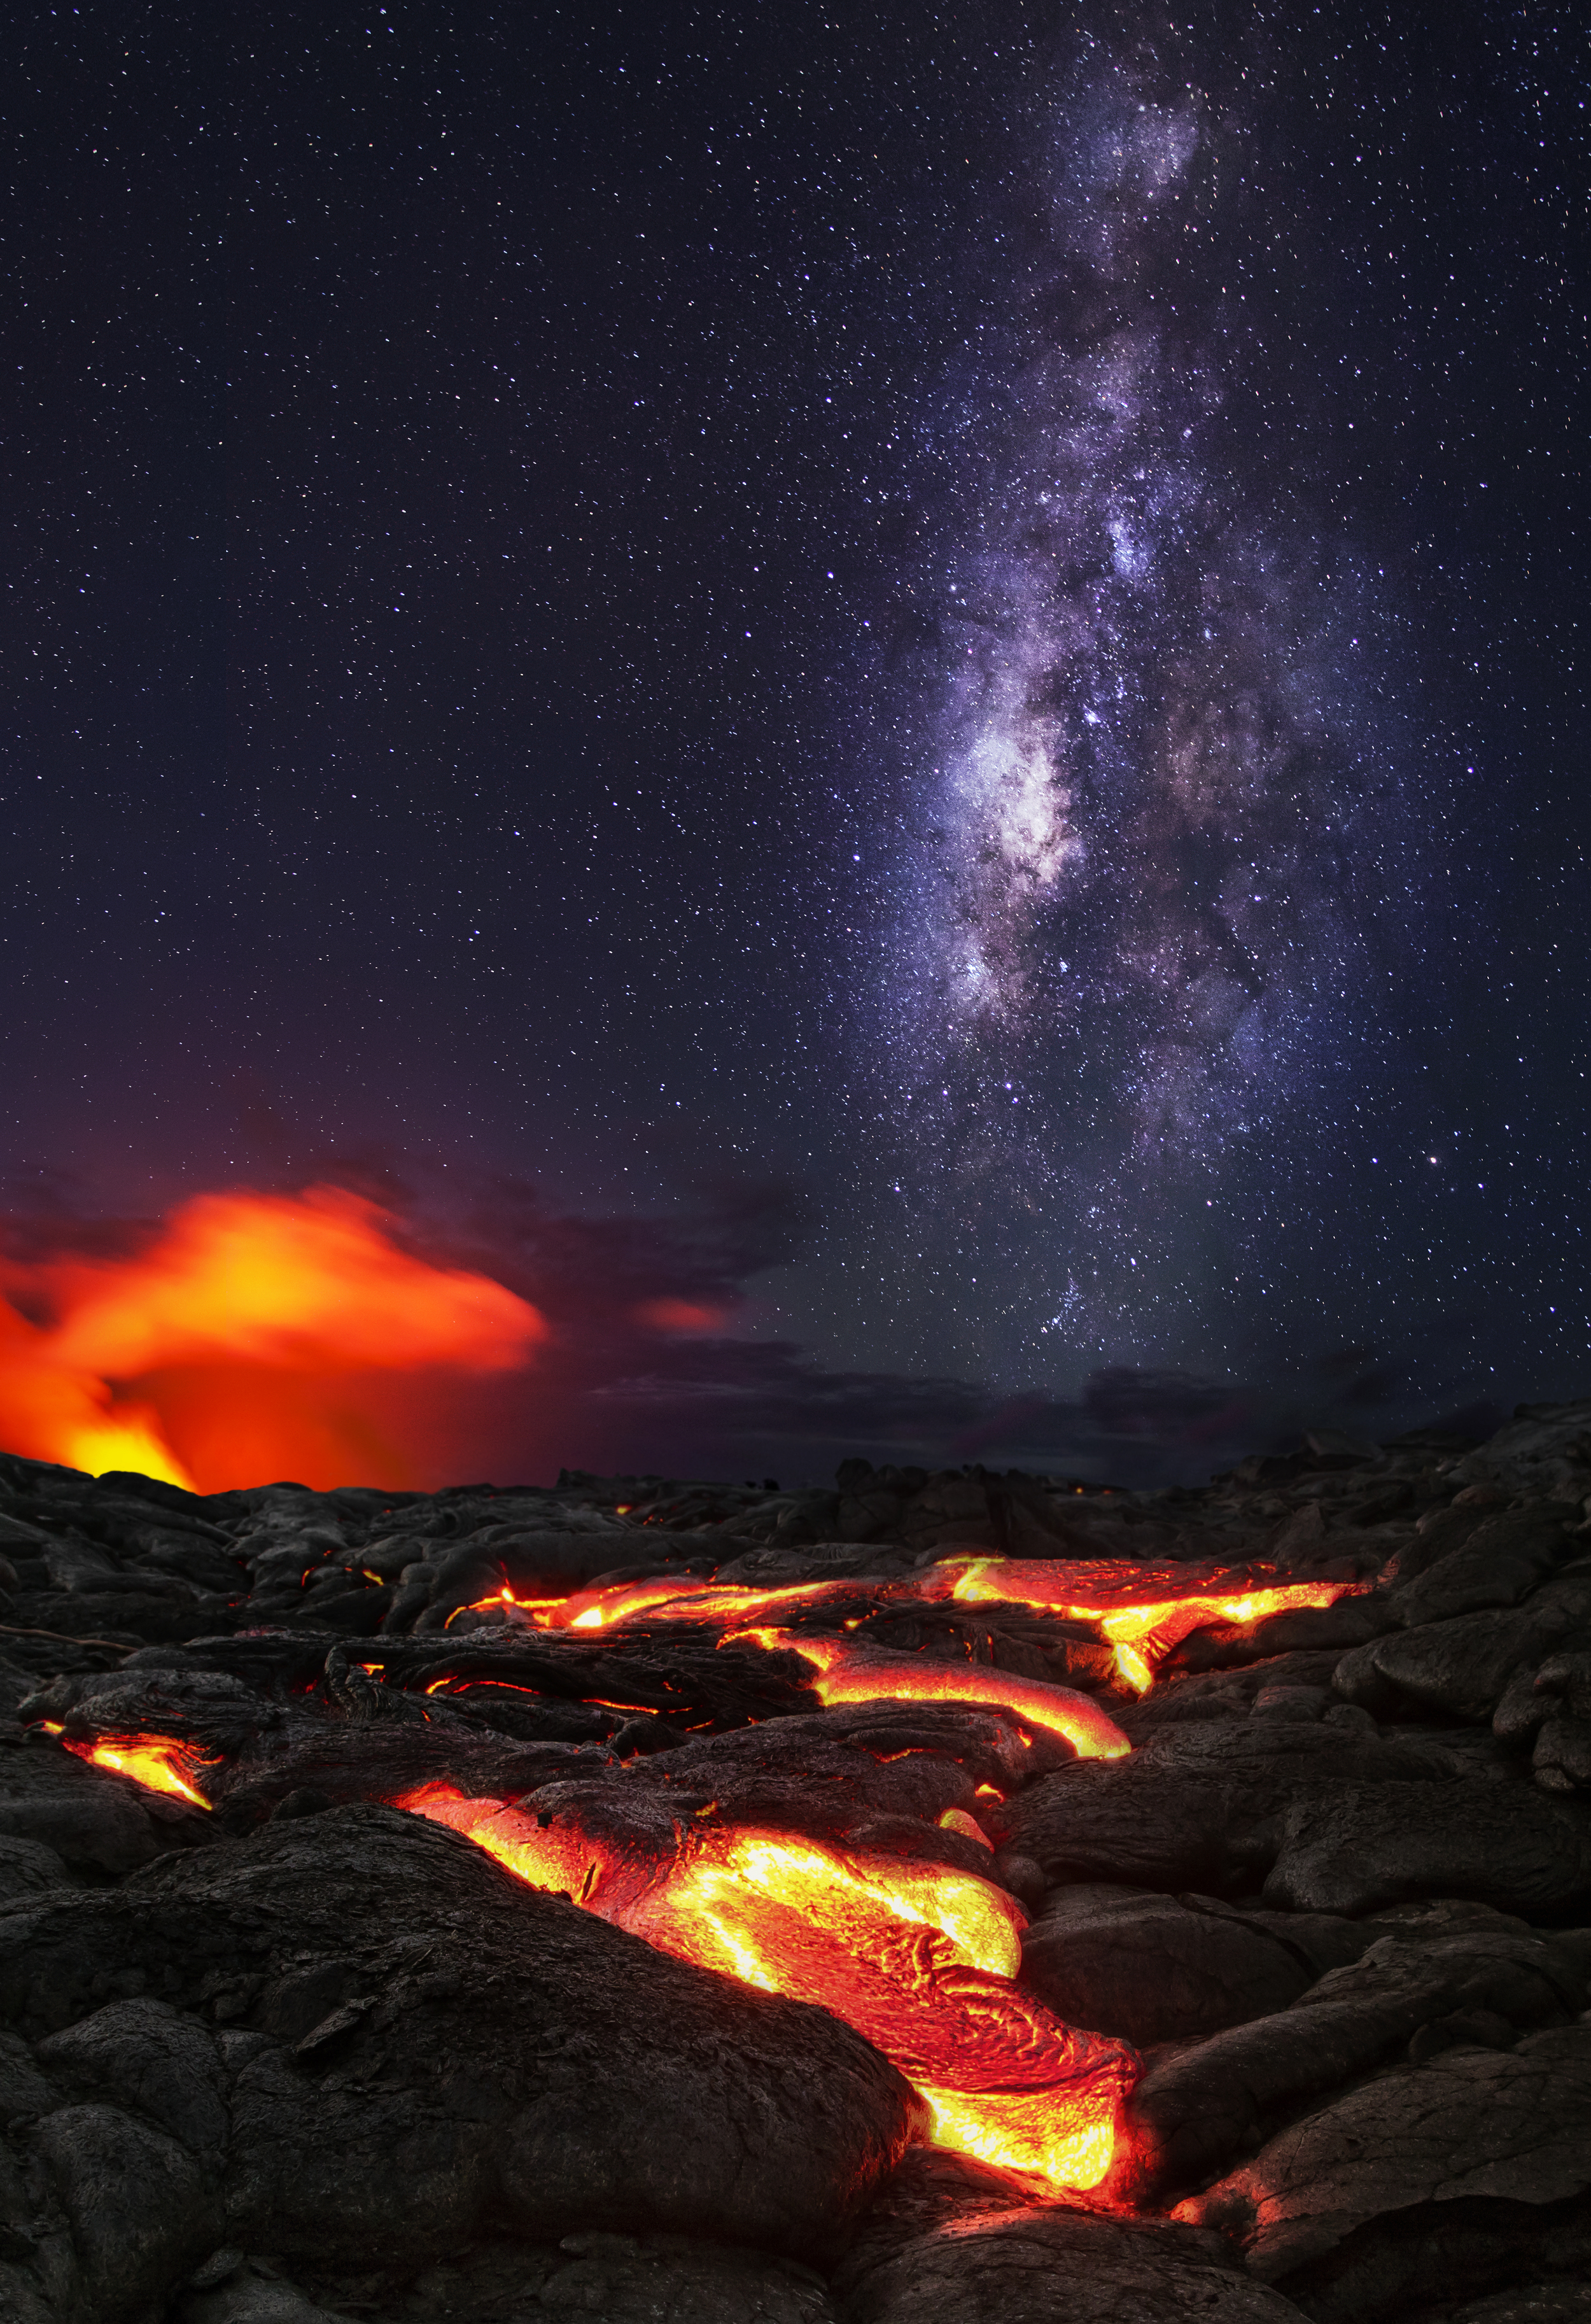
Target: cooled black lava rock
1511, 2126
304, 2059
1200, 1806
1150, 1969
1062, 2267
651, 2279
1205, 2102
354, 2034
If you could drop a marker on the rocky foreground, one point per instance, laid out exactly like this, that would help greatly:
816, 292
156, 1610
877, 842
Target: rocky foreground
276, 2050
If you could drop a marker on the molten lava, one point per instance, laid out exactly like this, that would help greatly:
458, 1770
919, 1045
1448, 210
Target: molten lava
1143, 1611
918, 1958
257, 1335
850, 1671
1158, 1605
683, 1598
159, 1762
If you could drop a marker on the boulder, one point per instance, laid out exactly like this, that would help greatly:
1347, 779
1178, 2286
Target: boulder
407, 2044
1462, 1665
1355, 1849
1199, 2105
1501, 1562
1050, 2266
1436, 1534
1545, 1450
591, 2277
1147, 1967
1472, 2124
1198, 1806
93, 1821
1562, 2302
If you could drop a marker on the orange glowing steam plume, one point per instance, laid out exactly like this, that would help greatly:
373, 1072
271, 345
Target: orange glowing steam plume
257, 1335
159, 1762
849, 1672
919, 1958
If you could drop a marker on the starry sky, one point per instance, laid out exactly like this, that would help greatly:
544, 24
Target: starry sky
908, 676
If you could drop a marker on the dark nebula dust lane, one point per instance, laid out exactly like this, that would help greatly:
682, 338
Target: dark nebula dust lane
889, 712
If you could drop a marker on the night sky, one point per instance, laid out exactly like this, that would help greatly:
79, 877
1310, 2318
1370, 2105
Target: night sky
910, 676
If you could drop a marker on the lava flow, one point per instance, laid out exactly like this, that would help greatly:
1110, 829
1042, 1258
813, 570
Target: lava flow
919, 1958
849, 1672
1158, 1607
159, 1762
683, 1598
1143, 1612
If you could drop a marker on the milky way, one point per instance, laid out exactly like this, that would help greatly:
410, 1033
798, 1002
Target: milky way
912, 677
1160, 808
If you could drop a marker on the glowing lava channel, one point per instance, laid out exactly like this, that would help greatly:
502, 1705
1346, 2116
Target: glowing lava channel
849, 1672
1122, 1612
918, 1959
1142, 1612
159, 1762
686, 1597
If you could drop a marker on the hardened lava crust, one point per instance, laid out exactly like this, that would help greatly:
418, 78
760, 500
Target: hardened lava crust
955, 1895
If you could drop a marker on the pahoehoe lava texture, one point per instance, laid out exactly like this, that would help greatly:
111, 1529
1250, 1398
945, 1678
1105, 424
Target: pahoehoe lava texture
272, 2051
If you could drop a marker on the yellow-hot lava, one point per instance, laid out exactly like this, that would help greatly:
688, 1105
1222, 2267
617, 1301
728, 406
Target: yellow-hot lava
918, 1958
1142, 1612
681, 1597
159, 1762
1132, 1670
848, 1671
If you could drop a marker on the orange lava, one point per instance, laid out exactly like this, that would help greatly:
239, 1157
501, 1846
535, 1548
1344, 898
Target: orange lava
958, 1820
599, 1610
850, 1671
159, 1762
1132, 1670
1143, 1611
686, 1597
919, 1958
1158, 1605
256, 1335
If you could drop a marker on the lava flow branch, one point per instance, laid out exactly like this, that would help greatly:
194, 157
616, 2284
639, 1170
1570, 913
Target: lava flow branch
850, 1671
685, 1598
921, 1959
1142, 1612
160, 1763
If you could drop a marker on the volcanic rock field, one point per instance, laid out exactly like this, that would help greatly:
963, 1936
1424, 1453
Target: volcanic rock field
951, 1898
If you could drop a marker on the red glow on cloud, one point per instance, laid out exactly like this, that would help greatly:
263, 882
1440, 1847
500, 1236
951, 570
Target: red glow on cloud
256, 1336
684, 1315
